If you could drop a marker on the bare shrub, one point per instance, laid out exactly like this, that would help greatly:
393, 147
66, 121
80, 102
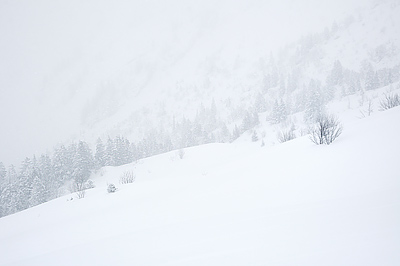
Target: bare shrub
326, 130
368, 111
81, 194
127, 177
285, 135
390, 101
79, 189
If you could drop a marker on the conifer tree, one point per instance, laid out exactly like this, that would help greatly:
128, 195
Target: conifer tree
100, 155
260, 103
315, 103
3, 174
225, 134
336, 76
47, 178
109, 156
235, 133
11, 174
60, 167
38, 193
83, 163
70, 159
8, 200
247, 122
279, 112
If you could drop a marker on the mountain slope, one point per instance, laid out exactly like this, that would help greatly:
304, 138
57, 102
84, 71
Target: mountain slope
230, 204
82, 70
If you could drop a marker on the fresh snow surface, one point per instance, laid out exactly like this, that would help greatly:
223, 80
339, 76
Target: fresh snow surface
230, 204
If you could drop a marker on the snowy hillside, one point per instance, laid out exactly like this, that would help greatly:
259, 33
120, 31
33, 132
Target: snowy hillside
237, 69
84, 70
230, 204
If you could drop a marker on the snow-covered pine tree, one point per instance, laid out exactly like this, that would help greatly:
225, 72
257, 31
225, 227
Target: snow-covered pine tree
278, 113
225, 135
315, 103
8, 199
39, 192
100, 155
83, 164
260, 104
11, 174
47, 177
109, 153
60, 166
282, 85
3, 174
235, 133
24, 185
336, 75
70, 159
369, 75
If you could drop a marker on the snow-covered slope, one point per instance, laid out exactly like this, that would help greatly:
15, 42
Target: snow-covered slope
230, 204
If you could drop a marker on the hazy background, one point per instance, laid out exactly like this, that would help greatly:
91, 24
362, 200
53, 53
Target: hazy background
58, 56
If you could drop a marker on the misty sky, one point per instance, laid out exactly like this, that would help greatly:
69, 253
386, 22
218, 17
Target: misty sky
54, 55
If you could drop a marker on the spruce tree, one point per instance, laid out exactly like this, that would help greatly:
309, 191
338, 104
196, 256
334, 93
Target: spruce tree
3, 174
260, 103
100, 155
11, 174
61, 172
109, 156
47, 178
336, 76
83, 164
38, 193
247, 122
315, 103
279, 112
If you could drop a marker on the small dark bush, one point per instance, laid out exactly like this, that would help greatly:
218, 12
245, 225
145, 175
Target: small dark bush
326, 130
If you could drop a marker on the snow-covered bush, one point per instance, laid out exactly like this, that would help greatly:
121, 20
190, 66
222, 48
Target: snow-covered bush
111, 188
254, 137
127, 178
390, 101
326, 130
89, 184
